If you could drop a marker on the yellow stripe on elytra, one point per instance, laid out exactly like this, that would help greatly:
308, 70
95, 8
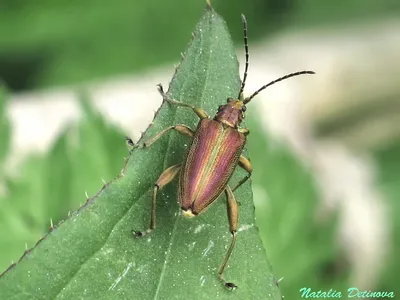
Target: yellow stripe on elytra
210, 163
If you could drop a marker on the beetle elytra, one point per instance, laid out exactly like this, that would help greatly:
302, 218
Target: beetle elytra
212, 157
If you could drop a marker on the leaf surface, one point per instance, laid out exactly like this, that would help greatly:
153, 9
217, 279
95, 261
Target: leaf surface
92, 255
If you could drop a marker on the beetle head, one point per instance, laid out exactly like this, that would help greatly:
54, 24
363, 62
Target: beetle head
232, 113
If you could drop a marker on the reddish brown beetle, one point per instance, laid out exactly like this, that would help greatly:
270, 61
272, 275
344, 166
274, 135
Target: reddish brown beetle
213, 155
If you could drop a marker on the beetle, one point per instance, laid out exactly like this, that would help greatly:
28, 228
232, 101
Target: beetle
215, 151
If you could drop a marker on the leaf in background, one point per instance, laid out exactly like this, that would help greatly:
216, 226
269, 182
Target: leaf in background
36, 195
92, 255
388, 161
301, 246
57, 182
22, 219
98, 147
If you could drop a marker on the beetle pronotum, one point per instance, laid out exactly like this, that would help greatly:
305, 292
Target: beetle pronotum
213, 155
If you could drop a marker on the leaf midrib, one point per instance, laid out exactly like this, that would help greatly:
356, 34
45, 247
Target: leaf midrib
168, 149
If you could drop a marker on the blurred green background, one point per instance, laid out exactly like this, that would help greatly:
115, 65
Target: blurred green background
49, 43
46, 44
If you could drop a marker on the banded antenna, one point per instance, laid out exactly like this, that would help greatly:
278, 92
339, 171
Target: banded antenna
247, 100
246, 51
246, 67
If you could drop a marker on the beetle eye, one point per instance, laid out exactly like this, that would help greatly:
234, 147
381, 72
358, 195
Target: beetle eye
244, 108
228, 100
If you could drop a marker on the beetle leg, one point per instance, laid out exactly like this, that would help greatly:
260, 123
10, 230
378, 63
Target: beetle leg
245, 131
233, 215
245, 164
198, 111
166, 177
130, 144
183, 129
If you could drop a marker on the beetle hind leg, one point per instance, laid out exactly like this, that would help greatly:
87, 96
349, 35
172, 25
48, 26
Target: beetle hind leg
233, 215
245, 164
166, 177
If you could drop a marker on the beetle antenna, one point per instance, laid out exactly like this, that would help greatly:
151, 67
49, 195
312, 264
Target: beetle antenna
246, 50
247, 100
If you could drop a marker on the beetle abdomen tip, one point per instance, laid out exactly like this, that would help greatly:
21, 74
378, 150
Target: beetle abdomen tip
187, 213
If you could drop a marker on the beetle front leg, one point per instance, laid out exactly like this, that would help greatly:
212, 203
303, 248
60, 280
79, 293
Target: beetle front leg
182, 129
245, 164
166, 177
130, 144
233, 215
198, 111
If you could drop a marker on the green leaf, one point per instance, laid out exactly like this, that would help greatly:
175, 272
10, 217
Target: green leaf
36, 196
22, 221
92, 255
388, 164
302, 246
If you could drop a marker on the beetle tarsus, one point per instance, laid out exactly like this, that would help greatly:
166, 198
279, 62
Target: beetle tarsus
164, 95
161, 91
231, 286
130, 144
129, 141
137, 234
